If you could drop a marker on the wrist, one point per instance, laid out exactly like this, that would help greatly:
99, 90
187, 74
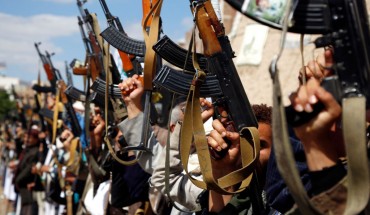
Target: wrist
320, 156
133, 109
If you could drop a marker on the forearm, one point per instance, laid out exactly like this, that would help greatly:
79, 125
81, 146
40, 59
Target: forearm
132, 130
319, 153
133, 109
181, 189
217, 201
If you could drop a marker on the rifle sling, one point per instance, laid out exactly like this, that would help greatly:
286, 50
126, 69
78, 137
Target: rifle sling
167, 164
193, 128
283, 150
354, 127
354, 133
150, 39
87, 106
106, 138
284, 156
55, 116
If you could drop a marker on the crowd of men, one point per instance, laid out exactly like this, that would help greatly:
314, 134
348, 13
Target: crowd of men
126, 163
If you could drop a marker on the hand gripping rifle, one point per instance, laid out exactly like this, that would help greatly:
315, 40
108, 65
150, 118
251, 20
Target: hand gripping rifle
131, 64
344, 26
151, 30
234, 100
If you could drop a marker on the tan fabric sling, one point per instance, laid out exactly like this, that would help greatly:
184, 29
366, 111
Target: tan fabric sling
193, 131
355, 141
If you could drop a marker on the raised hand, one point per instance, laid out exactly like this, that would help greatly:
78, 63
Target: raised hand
132, 91
319, 136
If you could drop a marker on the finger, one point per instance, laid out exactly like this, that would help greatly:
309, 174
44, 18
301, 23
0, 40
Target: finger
312, 86
295, 102
316, 69
130, 83
138, 81
207, 109
219, 127
300, 101
219, 139
331, 105
123, 86
232, 135
213, 143
311, 99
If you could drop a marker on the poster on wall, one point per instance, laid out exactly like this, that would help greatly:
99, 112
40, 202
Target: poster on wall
254, 40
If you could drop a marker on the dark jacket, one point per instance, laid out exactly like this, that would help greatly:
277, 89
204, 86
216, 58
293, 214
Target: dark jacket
23, 175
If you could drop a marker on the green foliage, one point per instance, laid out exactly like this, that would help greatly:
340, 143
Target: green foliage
7, 107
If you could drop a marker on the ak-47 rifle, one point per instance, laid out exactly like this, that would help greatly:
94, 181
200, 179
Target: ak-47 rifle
93, 62
234, 100
151, 25
344, 26
37, 110
93, 43
130, 63
49, 73
76, 128
177, 56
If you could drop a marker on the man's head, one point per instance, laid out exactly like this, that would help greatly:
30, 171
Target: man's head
263, 114
32, 137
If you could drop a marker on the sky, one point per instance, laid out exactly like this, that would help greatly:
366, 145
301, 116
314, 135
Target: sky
54, 24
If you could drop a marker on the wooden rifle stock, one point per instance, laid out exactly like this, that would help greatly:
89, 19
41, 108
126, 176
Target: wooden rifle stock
207, 31
48, 71
47, 67
62, 87
82, 70
126, 61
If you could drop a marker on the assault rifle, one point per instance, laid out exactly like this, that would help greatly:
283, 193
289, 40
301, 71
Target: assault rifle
233, 100
93, 45
344, 26
175, 55
76, 128
219, 53
130, 64
51, 76
37, 110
